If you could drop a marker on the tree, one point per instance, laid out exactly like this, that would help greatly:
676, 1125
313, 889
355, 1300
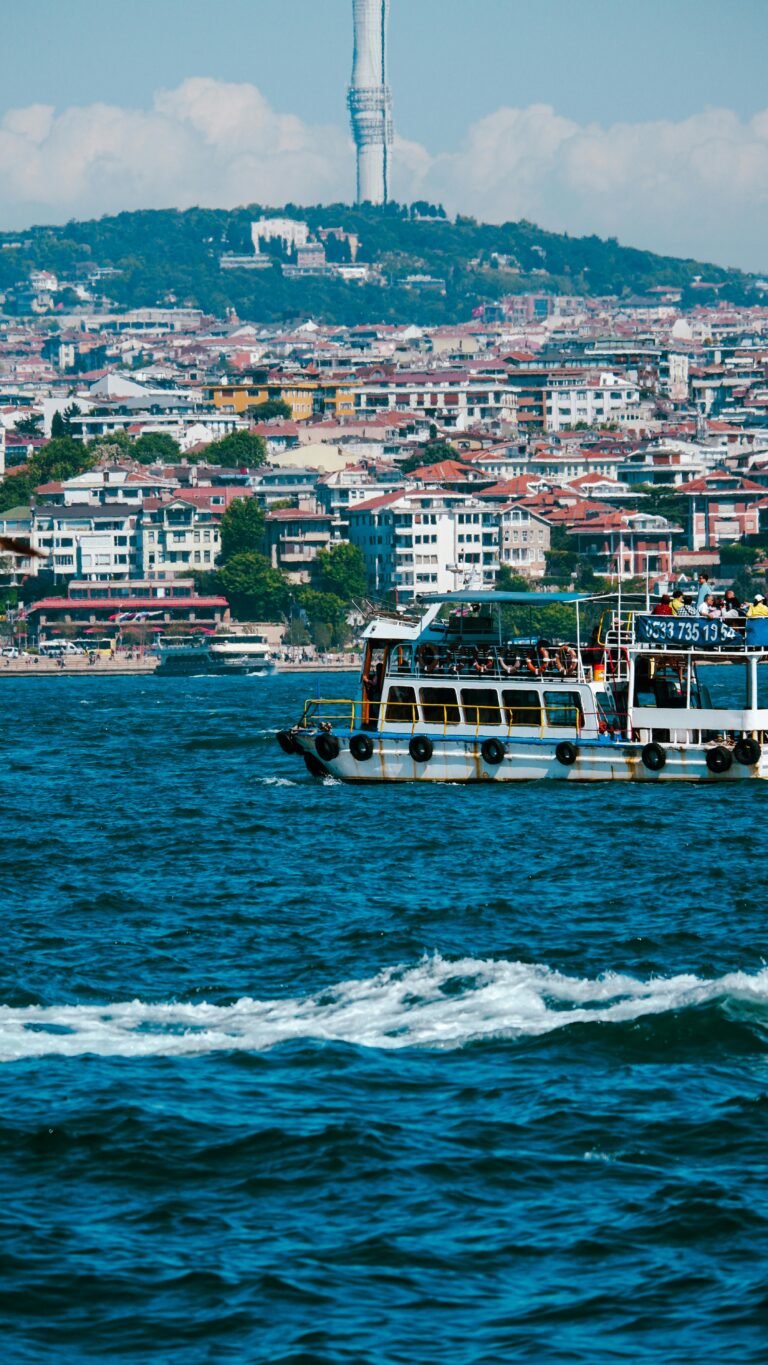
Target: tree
739, 554
63, 422
507, 581
434, 452
326, 616
273, 407
238, 450
154, 446
16, 490
255, 591
62, 458
242, 529
30, 426
113, 445
340, 570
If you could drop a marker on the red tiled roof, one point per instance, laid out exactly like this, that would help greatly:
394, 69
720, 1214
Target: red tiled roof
125, 603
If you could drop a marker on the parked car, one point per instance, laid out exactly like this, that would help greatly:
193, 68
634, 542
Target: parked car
56, 649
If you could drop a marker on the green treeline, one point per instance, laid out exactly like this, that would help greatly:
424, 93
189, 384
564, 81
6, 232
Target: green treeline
164, 254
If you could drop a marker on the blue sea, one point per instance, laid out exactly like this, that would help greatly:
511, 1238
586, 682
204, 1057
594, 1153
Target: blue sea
306, 1074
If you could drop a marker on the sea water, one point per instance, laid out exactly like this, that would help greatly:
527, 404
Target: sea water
298, 1072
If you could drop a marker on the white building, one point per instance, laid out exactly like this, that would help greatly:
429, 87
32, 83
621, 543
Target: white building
175, 537
452, 398
85, 541
594, 400
294, 234
422, 541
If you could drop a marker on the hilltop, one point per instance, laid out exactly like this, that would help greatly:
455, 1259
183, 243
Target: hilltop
174, 255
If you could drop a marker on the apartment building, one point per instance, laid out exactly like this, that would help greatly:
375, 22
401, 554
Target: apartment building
421, 541
524, 539
85, 541
596, 400
294, 537
453, 398
176, 536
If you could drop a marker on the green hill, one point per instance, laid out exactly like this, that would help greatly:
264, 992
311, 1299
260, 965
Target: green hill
173, 254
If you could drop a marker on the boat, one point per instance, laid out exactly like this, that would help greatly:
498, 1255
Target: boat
224, 654
449, 700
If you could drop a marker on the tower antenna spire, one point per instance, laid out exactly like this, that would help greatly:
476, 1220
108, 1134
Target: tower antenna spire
370, 101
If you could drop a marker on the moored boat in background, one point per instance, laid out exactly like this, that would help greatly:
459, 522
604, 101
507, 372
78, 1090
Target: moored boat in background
223, 653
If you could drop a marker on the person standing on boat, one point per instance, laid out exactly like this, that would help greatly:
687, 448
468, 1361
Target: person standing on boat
704, 591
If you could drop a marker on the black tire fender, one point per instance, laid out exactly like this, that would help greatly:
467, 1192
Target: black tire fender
327, 746
361, 748
654, 757
747, 751
719, 760
421, 748
314, 766
492, 751
566, 753
287, 742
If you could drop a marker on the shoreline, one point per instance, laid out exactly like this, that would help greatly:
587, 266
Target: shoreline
125, 668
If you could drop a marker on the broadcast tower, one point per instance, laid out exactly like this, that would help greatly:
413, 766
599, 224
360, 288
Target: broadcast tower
370, 101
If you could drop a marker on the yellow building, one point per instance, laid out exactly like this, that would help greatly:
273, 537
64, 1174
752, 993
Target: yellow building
306, 397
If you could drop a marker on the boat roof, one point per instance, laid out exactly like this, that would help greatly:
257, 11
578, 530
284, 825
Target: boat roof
537, 599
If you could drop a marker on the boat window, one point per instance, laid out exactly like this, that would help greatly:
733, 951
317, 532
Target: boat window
439, 706
401, 706
523, 706
481, 706
564, 709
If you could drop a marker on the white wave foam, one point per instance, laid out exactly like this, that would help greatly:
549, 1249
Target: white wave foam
436, 1004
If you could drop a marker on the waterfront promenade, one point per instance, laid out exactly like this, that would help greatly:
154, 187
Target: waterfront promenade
123, 665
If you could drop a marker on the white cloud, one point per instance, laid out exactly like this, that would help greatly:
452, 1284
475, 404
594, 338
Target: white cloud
696, 187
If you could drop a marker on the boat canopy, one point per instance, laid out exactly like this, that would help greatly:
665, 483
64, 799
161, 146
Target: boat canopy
529, 599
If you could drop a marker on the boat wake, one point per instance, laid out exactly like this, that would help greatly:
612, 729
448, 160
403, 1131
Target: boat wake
435, 1004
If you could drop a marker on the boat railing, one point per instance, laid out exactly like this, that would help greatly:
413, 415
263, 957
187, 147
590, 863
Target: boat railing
508, 717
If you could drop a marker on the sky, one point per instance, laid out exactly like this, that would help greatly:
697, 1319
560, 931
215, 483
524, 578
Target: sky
647, 122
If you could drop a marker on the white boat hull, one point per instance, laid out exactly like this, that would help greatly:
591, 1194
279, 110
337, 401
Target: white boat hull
461, 760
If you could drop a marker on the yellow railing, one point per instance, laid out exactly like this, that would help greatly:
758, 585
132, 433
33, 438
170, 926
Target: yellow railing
340, 711
348, 715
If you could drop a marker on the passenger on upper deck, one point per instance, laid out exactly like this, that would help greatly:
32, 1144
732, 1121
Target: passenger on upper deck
732, 608
707, 606
663, 606
704, 590
676, 603
758, 607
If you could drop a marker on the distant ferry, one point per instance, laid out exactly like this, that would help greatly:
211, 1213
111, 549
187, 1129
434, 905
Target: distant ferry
450, 701
225, 654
